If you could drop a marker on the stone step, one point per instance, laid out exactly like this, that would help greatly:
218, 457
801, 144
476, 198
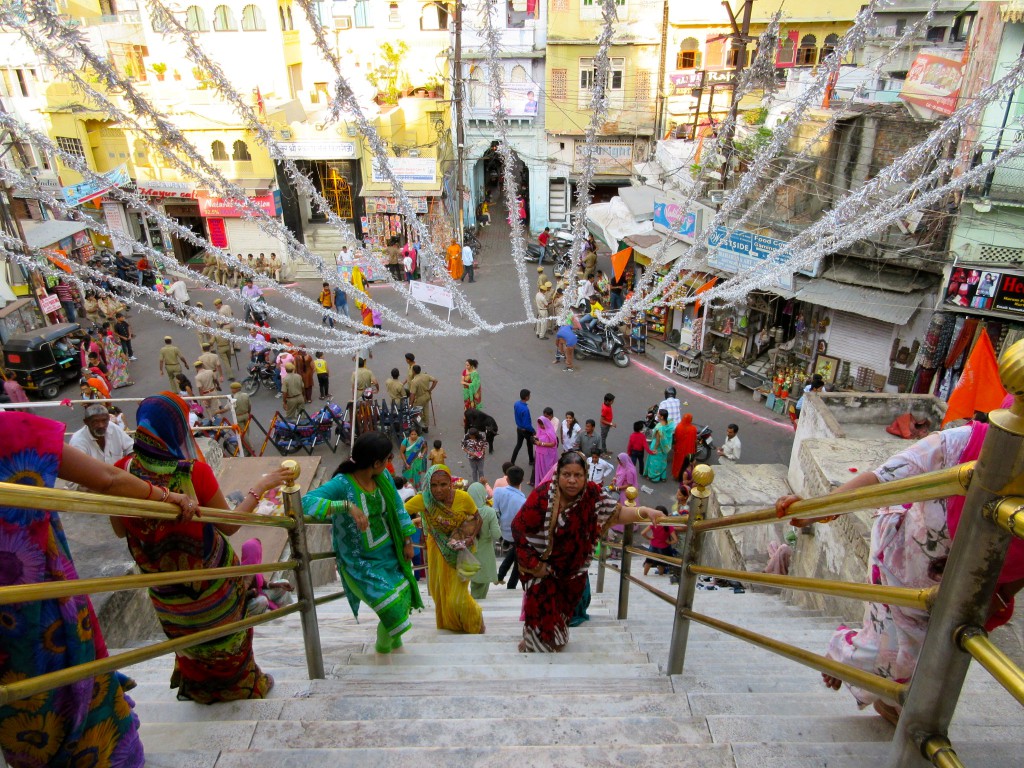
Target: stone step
403, 707
413, 658
641, 756
858, 755
536, 668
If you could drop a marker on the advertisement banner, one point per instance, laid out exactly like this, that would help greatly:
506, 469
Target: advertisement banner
677, 220
390, 204
90, 189
408, 170
218, 232
933, 81
230, 209
985, 289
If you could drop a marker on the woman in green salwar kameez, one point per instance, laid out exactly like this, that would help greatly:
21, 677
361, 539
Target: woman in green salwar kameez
372, 537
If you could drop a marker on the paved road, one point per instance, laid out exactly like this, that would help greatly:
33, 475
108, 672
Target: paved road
509, 360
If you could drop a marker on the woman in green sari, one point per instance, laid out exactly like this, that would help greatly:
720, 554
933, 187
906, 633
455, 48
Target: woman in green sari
472, 390
414, 454
656, 466
372, 537
490, 532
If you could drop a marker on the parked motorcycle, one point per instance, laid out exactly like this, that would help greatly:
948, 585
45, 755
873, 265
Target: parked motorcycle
259, 373
602, 341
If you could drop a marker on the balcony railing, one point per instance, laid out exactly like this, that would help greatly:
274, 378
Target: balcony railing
1004, 183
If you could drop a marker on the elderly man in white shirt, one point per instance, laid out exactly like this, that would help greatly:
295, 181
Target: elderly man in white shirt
101, 438
672, 405
731, 448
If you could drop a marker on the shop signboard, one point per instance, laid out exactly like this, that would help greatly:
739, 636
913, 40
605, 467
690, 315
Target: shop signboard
934, 80
408, 170
610, 159
986, 290
230, 209
738, 251
90, 189
681, 221
318, 150
166, 189
49, 303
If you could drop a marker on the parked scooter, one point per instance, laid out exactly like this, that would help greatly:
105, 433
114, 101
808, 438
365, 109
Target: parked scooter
601, 341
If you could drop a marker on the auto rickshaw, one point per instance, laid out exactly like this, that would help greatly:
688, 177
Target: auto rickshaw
45, 359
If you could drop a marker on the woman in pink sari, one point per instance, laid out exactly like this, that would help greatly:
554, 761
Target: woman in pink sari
545, 449
909, 548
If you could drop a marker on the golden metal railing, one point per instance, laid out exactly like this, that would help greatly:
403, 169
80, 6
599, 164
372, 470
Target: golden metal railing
14, 495
958, 607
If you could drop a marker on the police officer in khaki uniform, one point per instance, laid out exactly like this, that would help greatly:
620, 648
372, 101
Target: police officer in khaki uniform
293, 392
211, 363
171, 361
224, 345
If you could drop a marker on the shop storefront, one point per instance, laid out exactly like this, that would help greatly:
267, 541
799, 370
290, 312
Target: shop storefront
384, 222
228, 229
177, 199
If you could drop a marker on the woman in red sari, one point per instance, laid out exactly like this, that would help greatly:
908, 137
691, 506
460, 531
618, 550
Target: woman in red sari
555, 533
684, 445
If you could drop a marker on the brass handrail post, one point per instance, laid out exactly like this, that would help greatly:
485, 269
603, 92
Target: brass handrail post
700, 496
303, 575
627, 557
968, 580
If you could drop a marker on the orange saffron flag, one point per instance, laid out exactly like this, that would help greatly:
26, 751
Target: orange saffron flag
979, 388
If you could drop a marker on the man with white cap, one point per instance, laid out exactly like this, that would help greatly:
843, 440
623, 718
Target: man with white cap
101, 438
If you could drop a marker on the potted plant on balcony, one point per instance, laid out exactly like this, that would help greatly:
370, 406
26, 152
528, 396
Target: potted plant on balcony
160, 70
201, 78
435, 87
177, 75
386, 75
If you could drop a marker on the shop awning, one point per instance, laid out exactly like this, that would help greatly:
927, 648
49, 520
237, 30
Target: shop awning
887, 306
40, 234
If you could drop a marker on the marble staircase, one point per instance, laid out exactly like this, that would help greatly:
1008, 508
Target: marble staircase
462, 701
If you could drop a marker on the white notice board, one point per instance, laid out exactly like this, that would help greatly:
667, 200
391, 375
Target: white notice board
429, 293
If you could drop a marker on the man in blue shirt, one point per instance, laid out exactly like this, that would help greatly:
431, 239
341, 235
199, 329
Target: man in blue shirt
508, 499
524, 425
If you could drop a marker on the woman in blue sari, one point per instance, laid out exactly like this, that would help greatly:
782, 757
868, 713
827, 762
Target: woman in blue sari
414, 454
656, 467
372, 537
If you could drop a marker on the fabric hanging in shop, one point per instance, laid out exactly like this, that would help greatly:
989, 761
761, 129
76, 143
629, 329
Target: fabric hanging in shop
962, 341
706, 287
979, 388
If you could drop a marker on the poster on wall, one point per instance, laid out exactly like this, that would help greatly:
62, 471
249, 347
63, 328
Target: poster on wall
933, 81
985, 289
218, 233
681, 221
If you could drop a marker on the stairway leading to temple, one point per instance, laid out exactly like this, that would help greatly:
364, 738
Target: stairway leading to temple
457, 700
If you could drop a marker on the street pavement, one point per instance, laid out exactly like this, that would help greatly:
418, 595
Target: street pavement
509, 360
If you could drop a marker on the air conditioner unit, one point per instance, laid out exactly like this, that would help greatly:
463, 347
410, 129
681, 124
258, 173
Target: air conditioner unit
343, 22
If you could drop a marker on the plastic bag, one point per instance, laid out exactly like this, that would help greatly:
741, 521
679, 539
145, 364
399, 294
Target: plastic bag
466, 564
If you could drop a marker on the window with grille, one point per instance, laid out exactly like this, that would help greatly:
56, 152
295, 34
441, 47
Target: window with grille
688, 56
252, 19
559, 6
787, 50
195, 19
240, 151
734, 55
615, 77
586, 76
642, 91
71, 145
558, 88
829, 47
218, 151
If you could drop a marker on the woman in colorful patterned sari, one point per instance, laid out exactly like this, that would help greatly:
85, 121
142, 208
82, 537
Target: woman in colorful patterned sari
117, 363
85, 723
166, 454
372, 537
656, 466
414, 454
451, 522
909, 548
472, 390
555, 534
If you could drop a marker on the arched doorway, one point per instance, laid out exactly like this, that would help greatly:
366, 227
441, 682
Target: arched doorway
488, 180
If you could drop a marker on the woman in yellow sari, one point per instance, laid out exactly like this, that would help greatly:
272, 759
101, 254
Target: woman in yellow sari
450, 520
